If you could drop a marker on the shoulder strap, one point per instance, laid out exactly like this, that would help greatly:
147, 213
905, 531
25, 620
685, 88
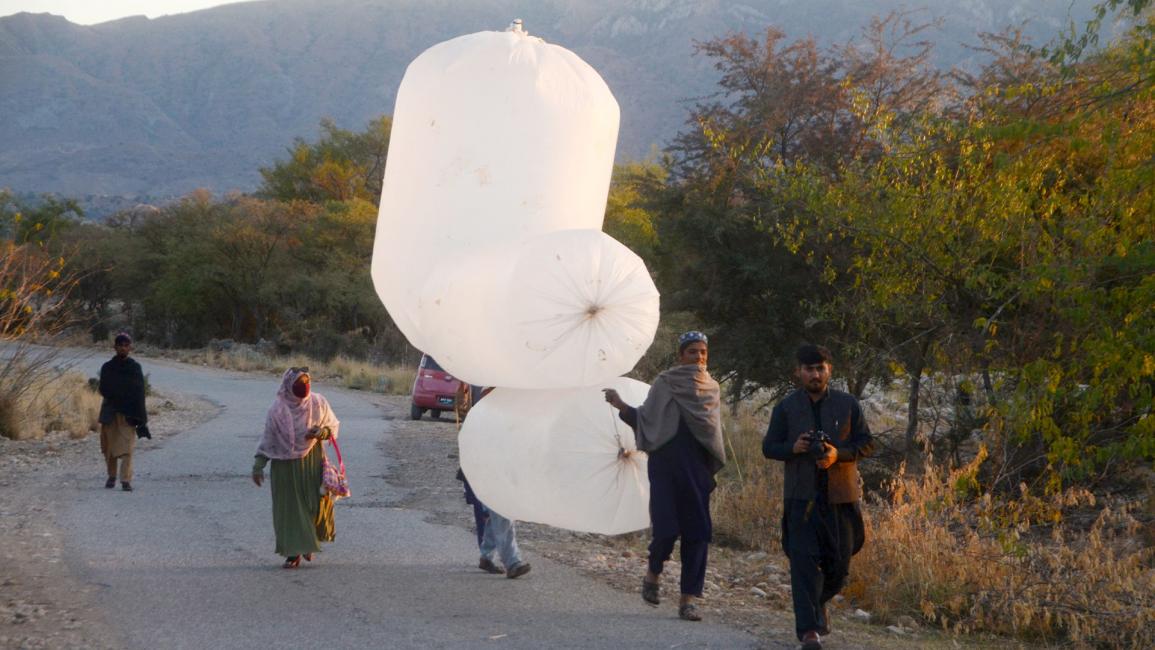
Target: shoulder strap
341, 463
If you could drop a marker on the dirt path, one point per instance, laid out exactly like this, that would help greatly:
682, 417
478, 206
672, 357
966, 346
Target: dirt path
187, 560
43, 604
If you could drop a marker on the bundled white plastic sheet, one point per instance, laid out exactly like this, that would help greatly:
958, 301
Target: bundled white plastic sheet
568, 308
497, 137
558, 457
489, 256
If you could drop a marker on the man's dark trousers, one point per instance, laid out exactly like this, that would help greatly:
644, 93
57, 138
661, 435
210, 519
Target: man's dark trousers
819, 541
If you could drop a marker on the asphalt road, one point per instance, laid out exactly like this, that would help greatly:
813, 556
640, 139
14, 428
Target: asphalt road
186, 561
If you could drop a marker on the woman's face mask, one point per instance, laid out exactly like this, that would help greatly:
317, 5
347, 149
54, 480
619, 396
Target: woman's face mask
301, 387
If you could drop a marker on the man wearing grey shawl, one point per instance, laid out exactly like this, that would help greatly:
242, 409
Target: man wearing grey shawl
680, 427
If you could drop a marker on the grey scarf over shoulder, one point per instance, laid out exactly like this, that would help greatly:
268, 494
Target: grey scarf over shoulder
688, 392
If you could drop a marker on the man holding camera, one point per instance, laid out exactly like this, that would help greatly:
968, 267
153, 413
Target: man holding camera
820, 433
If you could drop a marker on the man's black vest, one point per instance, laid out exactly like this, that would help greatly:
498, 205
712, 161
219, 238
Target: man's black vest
801, 474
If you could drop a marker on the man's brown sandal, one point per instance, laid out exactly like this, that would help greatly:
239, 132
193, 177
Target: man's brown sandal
689, 612
651, 592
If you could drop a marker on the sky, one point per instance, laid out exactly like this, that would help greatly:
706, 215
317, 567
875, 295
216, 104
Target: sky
90, 12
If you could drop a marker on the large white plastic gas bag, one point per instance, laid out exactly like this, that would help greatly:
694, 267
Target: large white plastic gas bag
568, 308
556, 457
497, 137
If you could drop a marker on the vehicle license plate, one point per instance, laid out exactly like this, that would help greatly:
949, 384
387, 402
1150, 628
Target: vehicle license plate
445, 400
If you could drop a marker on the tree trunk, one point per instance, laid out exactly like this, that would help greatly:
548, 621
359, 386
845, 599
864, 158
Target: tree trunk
988, 386
917, 365
858, 382
736, 395
258, 321
238, 317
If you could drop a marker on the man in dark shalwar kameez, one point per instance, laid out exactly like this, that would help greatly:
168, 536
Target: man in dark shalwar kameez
680, 427
822, 523
122, 413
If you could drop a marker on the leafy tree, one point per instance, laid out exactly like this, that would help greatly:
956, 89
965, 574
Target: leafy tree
290, 264
996, 234
784, 112
341, 166
35, 311
331, 303
37, 222
629, 218
94, 295
203, 268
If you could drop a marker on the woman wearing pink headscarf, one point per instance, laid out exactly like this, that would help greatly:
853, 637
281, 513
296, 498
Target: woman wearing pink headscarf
297, 420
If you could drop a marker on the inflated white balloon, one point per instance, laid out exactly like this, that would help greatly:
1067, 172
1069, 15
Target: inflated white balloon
583, 309
497, 137
500, 452
568, 308
488, 255
558, 457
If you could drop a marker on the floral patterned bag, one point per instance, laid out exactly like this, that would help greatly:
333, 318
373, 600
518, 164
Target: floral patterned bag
333, 480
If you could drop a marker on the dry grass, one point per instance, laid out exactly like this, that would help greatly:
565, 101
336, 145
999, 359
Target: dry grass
1008, 566
747, 504
56, 402
361, 375
401, 379
339, 371
243, 359
1064, 569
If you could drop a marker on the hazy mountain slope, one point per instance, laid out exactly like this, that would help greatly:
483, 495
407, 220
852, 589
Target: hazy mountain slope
163, 106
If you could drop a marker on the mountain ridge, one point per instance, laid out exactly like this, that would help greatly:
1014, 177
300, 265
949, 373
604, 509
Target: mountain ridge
159, 107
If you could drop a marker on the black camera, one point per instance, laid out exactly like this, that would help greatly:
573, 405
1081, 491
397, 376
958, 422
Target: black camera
818, 441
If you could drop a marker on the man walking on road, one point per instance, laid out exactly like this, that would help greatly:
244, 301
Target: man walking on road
680, 427
496, 535
122, 413
820, 433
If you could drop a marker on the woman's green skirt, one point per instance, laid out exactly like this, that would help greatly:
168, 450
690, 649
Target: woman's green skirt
302, 518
